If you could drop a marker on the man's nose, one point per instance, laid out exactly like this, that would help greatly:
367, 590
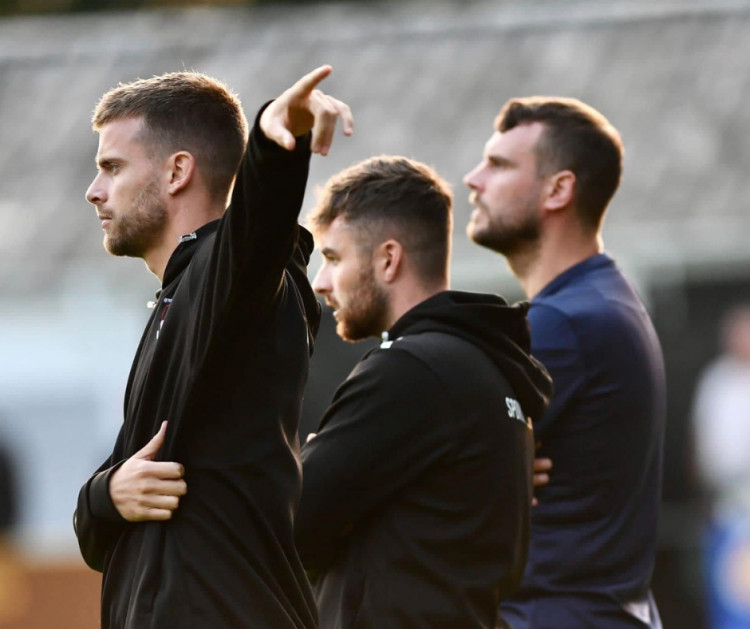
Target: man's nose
321, 284
95, 194
471, 178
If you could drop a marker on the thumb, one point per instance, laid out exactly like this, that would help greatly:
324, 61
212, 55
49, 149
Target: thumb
281, 135
149, 451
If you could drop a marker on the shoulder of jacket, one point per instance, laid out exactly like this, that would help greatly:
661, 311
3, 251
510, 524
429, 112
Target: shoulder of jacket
436, 348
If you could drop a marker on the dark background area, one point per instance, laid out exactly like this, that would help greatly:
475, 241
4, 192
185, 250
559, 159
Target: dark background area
686, 319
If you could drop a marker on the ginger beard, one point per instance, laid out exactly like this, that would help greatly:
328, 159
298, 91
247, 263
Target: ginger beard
361, 312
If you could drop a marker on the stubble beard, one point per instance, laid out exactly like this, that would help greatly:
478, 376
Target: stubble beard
505, 238
365, 314
136, 231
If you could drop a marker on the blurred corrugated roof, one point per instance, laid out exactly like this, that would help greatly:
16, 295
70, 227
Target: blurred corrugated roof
425, 79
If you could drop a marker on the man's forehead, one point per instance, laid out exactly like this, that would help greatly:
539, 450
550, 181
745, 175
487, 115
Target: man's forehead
521, 138
120, 133
340, 234
327, 235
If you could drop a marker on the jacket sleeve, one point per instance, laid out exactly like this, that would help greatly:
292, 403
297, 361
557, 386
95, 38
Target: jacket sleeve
96, 521
258, 234
388, 423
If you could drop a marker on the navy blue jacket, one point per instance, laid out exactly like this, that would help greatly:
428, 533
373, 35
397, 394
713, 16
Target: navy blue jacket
593, 534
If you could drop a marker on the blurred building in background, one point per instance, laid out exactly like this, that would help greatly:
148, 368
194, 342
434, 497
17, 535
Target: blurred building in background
425, 79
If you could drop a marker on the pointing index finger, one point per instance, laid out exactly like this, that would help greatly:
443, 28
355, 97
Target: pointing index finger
311, 80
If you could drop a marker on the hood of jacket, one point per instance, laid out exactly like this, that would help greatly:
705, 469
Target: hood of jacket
497, 328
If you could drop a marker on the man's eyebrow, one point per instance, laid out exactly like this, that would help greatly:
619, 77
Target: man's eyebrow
107, 162
498, 160
327, 251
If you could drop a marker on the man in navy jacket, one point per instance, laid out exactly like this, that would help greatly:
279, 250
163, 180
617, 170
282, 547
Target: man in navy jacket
541, 191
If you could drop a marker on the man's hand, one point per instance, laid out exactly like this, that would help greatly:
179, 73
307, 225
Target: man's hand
302, 108
144, 489
542, 467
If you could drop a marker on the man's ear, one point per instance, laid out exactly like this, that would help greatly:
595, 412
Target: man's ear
180, 170
560, 190
388, 260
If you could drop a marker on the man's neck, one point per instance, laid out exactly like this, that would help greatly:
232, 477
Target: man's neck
157, 257
539, 265
404, 300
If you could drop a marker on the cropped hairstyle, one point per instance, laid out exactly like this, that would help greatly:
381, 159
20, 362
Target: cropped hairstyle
184, 111
392, 197
578, 138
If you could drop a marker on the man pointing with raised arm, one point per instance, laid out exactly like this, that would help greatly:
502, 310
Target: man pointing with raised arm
190, 519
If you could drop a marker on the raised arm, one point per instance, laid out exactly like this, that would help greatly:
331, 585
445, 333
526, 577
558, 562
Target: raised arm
258, 233
304, 108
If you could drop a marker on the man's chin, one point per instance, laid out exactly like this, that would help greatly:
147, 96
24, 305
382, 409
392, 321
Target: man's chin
345, 333
477, 234
111, 247
120, 249
351, 334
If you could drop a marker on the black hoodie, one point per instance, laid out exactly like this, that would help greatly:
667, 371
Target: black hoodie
224, 360
418, 485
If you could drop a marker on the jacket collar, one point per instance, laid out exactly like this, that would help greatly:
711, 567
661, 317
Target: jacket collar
182, 255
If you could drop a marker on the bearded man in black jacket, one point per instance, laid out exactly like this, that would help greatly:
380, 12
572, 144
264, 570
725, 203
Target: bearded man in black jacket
191, 517
418, 485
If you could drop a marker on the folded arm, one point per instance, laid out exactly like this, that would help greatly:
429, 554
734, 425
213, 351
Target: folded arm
134, 490
381, 432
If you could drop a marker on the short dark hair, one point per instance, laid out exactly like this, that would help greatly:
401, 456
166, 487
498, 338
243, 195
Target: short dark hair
392, 196
578, 138
184, 111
